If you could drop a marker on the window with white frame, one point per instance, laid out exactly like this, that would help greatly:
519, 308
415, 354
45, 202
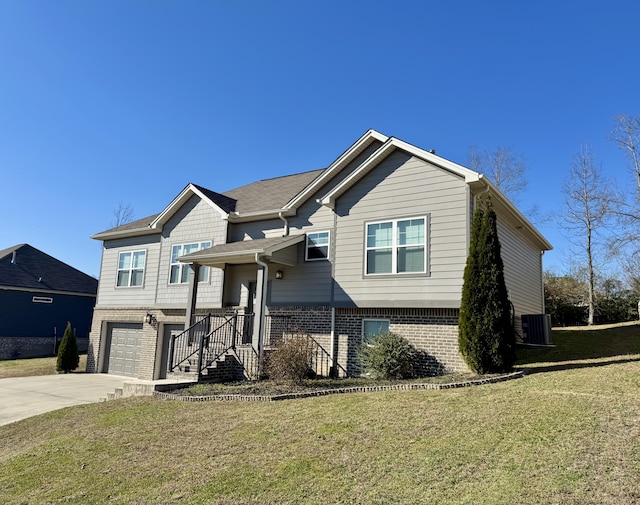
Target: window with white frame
373, 327
396, 247
317, 246
179, 272
131, 268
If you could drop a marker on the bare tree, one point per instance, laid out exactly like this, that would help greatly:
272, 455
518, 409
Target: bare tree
504, 167
122, 214
626, 134
626, 242
589, 202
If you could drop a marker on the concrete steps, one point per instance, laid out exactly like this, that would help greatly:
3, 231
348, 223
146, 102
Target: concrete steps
146, 388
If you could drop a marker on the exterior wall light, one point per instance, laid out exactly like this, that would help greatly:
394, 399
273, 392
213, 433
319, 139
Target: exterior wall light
279, 274
150, 318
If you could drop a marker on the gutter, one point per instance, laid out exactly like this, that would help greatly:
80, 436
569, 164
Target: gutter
237, 217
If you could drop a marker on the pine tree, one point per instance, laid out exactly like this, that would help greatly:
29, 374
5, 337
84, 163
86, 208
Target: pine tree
486, 336
68, 357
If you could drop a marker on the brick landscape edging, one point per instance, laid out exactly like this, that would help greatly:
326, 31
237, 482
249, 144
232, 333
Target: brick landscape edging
324, 392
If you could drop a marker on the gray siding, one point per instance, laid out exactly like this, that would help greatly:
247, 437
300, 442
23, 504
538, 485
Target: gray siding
403, 186
111, 296
309, 282
522, 270
236, 288
195, 221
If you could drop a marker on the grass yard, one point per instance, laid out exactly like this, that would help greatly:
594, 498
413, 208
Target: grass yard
567, 433
30, 367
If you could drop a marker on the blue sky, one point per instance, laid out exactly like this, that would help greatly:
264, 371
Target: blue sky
128, 101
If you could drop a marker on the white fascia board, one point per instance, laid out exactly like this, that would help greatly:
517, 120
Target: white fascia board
468, 174
179, 201
387, 148
344, 159
329, 199
513, 210
284, 244
137, 232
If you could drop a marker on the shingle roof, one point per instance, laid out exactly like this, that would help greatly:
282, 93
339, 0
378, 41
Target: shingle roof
243, 251
224, 202
133, 225
270, 194
34, 269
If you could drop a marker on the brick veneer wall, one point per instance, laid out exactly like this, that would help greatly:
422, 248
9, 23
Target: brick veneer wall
151, 333
34, 347
434, 332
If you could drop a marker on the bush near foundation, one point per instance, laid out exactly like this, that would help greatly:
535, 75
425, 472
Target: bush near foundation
387, 356
291, 360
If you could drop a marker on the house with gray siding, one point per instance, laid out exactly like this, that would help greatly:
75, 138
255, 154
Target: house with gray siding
376, 241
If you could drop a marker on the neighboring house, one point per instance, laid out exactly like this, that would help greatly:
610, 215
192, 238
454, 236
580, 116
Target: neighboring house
38, 295
376, 241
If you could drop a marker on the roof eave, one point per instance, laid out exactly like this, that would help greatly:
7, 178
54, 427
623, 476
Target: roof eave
179, 201
484, 183
344, 159
243, 217
125, 233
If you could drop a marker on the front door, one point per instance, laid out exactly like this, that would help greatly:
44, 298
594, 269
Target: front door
247, 333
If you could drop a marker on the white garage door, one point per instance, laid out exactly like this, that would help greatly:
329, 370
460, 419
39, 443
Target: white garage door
124, 351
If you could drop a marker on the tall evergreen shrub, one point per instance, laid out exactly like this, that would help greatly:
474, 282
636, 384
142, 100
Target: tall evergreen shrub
486, 336
68, 357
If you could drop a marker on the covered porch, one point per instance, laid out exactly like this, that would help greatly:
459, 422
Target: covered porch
243, 331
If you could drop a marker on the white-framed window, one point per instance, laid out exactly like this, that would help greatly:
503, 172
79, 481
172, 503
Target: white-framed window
397, 246
131, 268
317, 246
373, 327
179, 272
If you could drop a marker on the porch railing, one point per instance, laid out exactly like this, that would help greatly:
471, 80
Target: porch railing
205, 341
214, 335
279, 329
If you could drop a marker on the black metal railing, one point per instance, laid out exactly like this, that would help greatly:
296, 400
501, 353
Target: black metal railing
206, 340
214, 335
185, 347
279, 329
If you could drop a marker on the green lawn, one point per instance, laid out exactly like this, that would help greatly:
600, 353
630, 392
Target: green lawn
34, 366
567, 433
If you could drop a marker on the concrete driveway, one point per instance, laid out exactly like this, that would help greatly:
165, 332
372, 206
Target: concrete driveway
24, 397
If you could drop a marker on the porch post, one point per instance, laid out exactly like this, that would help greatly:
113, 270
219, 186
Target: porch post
259, 309
194, 272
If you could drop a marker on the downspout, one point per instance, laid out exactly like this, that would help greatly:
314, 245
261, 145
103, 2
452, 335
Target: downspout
263, 304
544, 309
285, 231
333, 371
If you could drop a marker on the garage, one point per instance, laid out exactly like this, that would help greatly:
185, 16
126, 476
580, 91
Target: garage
124, 348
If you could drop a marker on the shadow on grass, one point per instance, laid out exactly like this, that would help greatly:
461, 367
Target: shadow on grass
583, 349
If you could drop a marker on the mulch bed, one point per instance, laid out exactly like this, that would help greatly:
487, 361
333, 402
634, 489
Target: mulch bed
268, 391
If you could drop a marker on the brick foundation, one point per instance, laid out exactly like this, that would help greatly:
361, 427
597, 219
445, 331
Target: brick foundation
34, 347
151, 335
434, 332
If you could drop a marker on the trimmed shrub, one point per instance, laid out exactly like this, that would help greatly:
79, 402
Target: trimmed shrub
68, 357
291, 360
387, 356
